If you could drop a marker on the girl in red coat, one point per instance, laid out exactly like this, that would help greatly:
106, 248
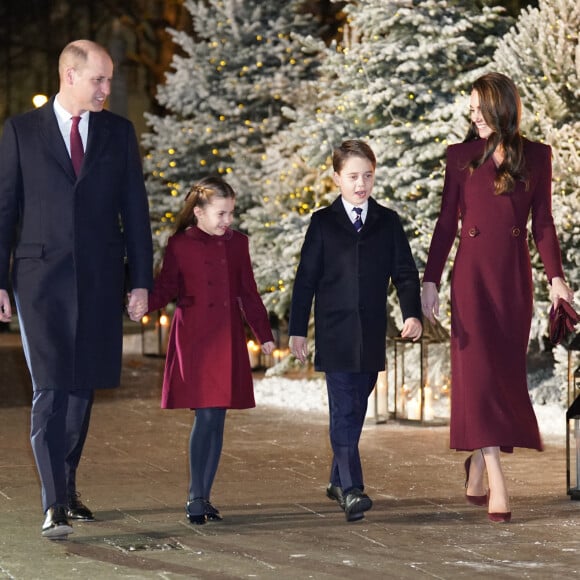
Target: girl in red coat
493, 181
207, 270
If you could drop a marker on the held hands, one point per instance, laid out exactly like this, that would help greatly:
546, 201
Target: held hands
5, 308
299, 347
559, 289
430, 301
138, 303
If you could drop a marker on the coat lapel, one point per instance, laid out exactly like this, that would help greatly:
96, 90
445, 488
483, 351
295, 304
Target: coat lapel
340, 216
51, 136
372, 217
98, 136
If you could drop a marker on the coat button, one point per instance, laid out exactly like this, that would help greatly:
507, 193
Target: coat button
473, 232
516, 232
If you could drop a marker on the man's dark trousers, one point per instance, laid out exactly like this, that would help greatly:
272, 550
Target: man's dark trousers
59, 425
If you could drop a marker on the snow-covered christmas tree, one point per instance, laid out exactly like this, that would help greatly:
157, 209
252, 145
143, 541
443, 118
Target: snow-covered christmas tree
395, 80
223, 100
297, 172
542, 55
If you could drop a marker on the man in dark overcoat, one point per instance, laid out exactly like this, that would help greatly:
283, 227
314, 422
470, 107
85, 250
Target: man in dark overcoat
73, 220
352, 250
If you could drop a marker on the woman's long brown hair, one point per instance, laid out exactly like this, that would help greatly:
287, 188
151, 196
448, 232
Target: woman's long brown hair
501, 107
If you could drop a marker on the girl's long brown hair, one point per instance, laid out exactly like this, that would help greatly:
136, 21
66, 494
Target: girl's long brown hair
200, 195
501, 107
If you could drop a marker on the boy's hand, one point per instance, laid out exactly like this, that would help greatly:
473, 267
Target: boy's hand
412, 328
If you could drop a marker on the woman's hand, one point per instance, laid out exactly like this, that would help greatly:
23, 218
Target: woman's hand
560, 289
430, 301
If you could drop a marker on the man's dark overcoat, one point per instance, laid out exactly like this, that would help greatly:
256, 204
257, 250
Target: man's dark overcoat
348, 275
69, 240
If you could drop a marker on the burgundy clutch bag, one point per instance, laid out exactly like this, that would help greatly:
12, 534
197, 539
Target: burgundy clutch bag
562, 321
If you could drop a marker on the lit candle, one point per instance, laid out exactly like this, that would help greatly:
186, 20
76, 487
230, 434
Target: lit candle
254, 354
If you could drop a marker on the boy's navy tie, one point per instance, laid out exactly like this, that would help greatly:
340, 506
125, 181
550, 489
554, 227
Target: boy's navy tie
358, 223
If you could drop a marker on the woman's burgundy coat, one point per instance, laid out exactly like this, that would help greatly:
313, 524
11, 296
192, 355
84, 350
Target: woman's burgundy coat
491, 293
207, 358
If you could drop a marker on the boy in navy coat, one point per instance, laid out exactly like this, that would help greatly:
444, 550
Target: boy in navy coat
352, 250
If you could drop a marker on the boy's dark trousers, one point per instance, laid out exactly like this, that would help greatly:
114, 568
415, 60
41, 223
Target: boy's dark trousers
348, 395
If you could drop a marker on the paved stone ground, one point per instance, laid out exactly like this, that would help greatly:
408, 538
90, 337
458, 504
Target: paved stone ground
270, 489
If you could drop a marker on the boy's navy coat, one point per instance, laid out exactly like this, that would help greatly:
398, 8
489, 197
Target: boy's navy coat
348, 275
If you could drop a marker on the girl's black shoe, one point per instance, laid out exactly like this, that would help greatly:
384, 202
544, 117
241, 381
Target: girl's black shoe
196, 511
211, 512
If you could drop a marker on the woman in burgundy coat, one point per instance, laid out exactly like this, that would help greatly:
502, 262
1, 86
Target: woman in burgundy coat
493, 181
207, 269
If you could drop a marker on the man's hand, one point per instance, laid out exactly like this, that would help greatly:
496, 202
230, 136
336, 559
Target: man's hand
299, 347
5, 308
138, 303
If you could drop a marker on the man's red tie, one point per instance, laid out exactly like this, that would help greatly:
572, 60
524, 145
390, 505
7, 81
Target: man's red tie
76, 145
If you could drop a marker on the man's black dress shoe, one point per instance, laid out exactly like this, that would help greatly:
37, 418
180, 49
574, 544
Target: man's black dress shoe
334, 492
355, 504
77, 510
56, 526
196, 511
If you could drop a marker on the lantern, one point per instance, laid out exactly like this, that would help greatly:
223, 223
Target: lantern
573, 424
421, 381
573, 347
573, 448
154, 333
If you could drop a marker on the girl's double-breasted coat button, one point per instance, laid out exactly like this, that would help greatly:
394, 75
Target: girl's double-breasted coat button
516, 232
473, 232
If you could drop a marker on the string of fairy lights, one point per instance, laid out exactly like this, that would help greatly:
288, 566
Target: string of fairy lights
291, 194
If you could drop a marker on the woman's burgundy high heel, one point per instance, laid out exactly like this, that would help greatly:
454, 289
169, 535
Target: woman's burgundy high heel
479, 500
500, 517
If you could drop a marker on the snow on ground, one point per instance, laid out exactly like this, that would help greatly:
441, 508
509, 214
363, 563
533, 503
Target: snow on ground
309, 395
